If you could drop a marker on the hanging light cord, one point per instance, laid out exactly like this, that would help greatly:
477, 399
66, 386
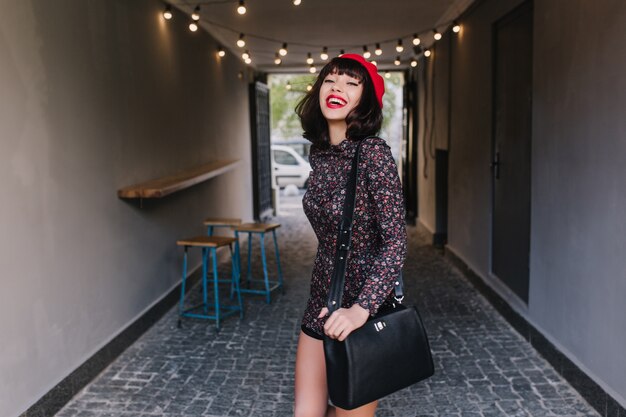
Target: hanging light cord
281, 41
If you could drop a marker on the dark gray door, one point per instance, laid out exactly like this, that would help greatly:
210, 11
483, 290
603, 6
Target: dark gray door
511, 149
261, 158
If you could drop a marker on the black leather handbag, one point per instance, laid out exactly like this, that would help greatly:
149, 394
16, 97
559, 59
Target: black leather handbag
389, 352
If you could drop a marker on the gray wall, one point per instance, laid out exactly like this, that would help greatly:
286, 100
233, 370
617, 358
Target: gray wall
434, 110
96, 95
578, 232
577, 262
425, 161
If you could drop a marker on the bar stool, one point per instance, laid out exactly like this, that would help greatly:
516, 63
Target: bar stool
261, 229
210, 244
213, 222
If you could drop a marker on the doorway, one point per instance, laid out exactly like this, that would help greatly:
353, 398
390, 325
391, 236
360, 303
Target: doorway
512, 93
260, 134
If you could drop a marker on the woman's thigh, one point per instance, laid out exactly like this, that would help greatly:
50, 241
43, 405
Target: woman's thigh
311, 391
367, 410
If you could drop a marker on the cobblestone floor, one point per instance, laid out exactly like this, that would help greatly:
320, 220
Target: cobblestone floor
483, 367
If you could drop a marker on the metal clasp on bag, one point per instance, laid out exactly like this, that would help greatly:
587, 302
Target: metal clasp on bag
398, 300
380, 325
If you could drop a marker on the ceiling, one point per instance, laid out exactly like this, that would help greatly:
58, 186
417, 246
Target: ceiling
337, 24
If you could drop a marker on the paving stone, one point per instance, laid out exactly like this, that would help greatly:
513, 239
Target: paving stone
483, 367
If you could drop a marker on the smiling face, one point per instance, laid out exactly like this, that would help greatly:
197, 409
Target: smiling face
339, 95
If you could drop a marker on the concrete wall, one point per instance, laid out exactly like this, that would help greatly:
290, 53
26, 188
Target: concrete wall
434, 109
578, 232
577, 263
96, 95
425, 160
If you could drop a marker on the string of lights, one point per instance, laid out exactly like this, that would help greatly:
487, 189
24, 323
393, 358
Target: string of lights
415, 39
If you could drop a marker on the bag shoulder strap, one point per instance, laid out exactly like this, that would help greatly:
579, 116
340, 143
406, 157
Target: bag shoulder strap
344, 238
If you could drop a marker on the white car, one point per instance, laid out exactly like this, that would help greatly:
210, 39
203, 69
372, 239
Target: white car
288, 167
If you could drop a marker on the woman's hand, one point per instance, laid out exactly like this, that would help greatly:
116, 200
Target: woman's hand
344, 321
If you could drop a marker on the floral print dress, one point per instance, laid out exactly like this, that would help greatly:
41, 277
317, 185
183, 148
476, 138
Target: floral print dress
378, 230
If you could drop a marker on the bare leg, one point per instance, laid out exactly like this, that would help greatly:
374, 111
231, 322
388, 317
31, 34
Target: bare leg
366, 410
311, 389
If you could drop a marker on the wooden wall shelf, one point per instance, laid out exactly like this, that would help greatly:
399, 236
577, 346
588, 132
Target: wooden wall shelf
161, 187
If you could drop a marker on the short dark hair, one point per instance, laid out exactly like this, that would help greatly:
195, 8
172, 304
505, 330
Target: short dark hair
363, 121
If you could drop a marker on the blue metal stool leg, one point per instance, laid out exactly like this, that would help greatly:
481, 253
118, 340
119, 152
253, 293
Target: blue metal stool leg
265, 275
280, 272
249, 275
238, 253
181, 305
205, 301
235, 280
210, 230
232, 277
215, 288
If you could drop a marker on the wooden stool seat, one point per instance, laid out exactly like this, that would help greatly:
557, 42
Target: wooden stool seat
206, 241
216, 221
257, 227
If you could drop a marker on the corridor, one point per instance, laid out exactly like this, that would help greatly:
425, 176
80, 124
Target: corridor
483, 367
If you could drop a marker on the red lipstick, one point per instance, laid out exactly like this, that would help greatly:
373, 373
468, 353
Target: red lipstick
335, 102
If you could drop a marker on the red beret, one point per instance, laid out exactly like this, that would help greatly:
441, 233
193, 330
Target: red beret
377, 80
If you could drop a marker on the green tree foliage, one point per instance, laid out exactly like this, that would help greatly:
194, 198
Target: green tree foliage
393, 88
283, 101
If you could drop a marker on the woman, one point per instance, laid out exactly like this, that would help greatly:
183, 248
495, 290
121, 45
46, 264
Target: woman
343, 108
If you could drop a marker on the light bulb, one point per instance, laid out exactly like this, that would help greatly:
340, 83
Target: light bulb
248, 61
277, 59
241, 41
288, 86
456, 28
324, 54
416, 40
241, 9
167, 13
196, 13
378, 51
387, 74
436, 35
427, 53
366, 53
312, 69
283, 50
397, 61
245, 55
399, 46
414, 63
374, 62
309, 87
309, 59
193, 26
220, 52
297, 2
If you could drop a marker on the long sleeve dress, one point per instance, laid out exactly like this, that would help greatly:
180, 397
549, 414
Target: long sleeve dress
378, 233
